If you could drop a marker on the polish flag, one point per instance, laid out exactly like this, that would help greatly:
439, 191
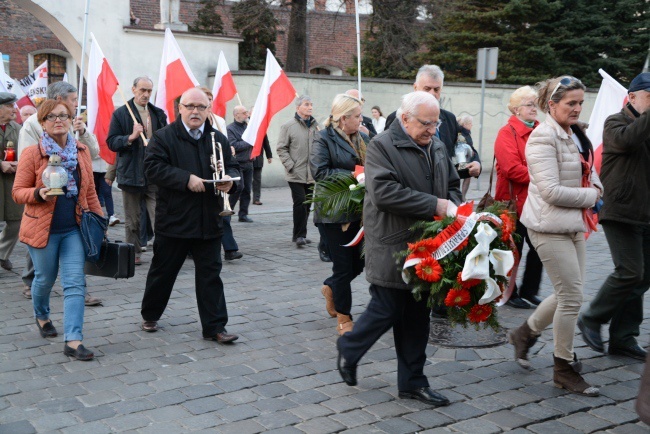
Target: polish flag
276, 93
175, 76
35, 84
612, 96
102, 84
8, 84
224, 88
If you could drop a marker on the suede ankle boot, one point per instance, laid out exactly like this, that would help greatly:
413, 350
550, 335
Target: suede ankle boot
329, 300
345, 324
566, 376
522, 338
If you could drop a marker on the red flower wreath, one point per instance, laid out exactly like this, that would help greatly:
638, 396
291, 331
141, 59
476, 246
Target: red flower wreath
429, 270
423, 248
467, 284
457, 297
479, 313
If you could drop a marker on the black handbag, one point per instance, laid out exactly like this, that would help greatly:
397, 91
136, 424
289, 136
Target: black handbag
116, 260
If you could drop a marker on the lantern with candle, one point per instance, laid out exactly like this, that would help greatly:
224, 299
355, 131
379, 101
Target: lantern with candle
55, 176
10, 152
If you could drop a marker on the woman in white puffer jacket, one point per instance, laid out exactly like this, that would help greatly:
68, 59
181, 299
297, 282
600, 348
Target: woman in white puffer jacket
563, 187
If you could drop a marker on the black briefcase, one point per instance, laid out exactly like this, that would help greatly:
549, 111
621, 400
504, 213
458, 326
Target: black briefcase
116, 260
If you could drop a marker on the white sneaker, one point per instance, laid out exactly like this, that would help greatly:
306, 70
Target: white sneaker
113, 220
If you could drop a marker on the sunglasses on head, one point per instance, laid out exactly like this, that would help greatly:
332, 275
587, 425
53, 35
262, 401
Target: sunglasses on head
564, 82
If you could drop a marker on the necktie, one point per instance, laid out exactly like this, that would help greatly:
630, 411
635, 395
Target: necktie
195, 134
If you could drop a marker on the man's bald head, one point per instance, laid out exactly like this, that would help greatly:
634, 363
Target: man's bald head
194, 92
193, 107
240, 113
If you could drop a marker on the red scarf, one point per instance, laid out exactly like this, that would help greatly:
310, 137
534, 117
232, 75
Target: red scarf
588, 215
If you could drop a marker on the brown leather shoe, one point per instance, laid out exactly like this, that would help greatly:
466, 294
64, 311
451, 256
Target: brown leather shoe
92, 301
223, 338
149, 326
27, 292
329, 300
137, 261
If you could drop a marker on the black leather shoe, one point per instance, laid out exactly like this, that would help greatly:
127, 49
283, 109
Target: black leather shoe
48, 330
518, 303
348, 372
425, 395
232, 254
223, 337
300, 241
324, 256
634, 351
591, 337
533, 299
245, 219
81, 353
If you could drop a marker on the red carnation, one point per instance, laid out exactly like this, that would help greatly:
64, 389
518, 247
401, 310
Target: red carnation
457, 297
507, 227
479, 313
423, 248
467, 284
429, 270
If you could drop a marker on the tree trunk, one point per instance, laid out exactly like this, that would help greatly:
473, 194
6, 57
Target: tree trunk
296, 61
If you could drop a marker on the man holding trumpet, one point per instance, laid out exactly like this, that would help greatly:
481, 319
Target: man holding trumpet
180, 161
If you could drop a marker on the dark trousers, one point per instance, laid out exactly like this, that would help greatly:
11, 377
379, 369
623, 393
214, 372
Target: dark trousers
146, 231
322, 244
534, 267
347, 263
243, 194
104, 192
257, 184
620, 299
168, 257
228, 239
409, 319
299, 192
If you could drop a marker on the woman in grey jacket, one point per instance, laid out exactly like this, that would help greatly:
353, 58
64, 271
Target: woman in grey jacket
338, 149
563, 187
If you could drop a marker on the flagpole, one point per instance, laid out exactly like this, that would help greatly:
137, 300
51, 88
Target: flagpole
238, 99
81, 68
356, 13
135, 121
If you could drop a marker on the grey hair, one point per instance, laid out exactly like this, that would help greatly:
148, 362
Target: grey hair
142, 77
433, 71
411, 103
464, 120
519, 95
237, 108
301, 99
60, 89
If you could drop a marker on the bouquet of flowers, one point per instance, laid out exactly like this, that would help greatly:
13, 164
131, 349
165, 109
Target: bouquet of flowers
463, 263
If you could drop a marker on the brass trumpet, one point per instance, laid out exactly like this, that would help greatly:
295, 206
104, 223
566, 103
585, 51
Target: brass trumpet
218, 174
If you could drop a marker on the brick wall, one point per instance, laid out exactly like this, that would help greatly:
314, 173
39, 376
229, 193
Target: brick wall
332, 37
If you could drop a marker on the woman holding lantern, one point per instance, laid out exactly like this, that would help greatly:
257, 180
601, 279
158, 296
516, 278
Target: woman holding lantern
563, 188
50, 223
339, 148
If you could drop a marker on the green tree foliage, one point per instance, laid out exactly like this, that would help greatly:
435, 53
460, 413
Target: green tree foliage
538, 39
391, 40
258, 27
207, 18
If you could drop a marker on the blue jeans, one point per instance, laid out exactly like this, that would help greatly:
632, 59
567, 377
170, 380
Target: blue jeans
64, 251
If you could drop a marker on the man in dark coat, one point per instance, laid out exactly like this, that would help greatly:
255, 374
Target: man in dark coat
625, 217
243, 154
125, 138
178, 161
409, 177
430, 79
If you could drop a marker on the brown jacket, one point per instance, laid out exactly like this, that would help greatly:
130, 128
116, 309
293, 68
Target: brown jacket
9, 210
37, 218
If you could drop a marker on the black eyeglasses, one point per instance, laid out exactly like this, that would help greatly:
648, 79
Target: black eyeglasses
564, 82
191, 107
52, 117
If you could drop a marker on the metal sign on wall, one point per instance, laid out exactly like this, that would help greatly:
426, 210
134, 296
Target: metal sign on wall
486, 65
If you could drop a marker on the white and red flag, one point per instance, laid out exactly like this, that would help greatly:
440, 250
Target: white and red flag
224, 88
612, 96
8, 84
175, 76
276, 93
35, 85
102, 84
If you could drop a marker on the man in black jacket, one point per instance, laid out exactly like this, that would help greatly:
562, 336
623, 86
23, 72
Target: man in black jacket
125, 138
243, 154
187, 215
409, 178
625, 217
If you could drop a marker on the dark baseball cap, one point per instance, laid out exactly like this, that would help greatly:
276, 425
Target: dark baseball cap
640, 82
7, 98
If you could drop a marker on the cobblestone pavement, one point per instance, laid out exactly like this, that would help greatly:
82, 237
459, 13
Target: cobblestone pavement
280, 376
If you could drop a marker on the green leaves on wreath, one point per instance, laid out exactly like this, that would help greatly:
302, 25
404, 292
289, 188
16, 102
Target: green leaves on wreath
334, 198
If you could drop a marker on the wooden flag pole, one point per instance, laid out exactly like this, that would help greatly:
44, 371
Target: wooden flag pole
135, 121
238, 99
81, 67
